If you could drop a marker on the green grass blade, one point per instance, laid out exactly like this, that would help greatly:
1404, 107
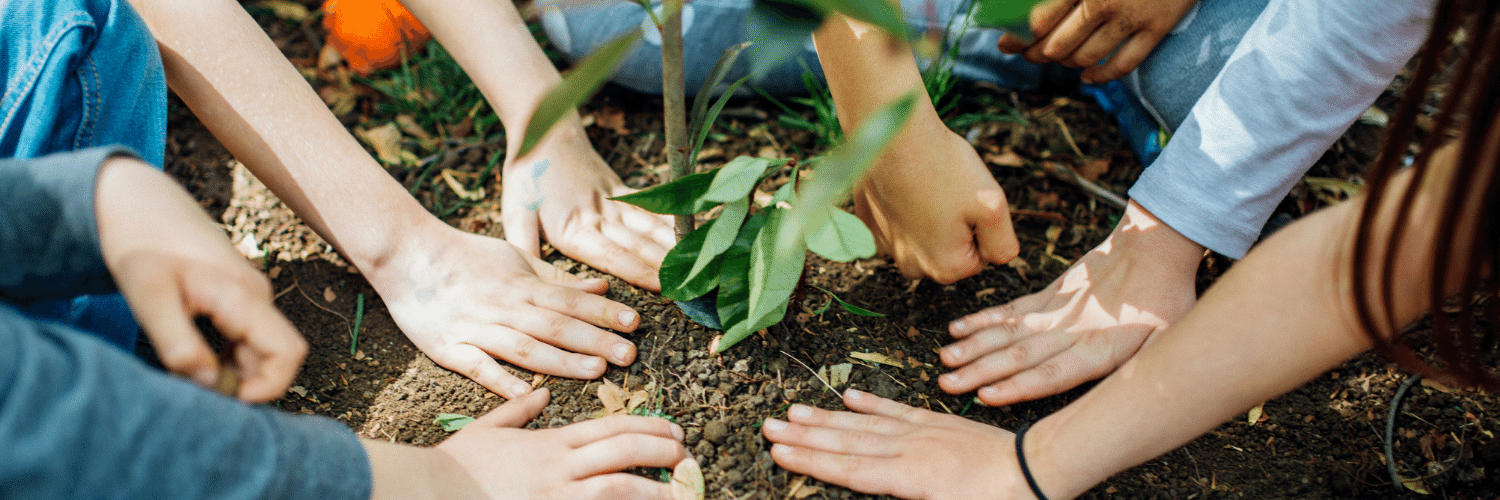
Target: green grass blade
706, 91
700, 128
860, 311
1010, 14
578, 86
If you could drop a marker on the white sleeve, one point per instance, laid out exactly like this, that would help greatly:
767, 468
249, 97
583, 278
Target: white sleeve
1300, 76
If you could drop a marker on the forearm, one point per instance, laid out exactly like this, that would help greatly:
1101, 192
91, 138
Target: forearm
1278, 318
493, 45
51, 243
866, 68
412, 473
230, 73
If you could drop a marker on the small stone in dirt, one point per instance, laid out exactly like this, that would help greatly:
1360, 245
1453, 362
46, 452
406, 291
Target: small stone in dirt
692, 436
703, 450
633, 381
716, 432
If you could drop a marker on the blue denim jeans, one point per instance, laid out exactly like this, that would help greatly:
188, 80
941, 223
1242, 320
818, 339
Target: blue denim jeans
81, 73
1157, 96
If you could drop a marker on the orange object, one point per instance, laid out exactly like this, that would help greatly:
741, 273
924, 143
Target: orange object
371, 34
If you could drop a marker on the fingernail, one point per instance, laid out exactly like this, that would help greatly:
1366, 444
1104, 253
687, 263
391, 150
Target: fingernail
989, 393
855, 394
780, 449
627, 318
592, 364
954, 352
800, 411
622, 352
958, 325
519, 389
774, 425
677, 432
952, 379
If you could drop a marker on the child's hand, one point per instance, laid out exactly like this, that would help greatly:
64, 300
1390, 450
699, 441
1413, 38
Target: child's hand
560, 191
465, 299
934, 207
888, 448
1081, 33
579, 461
173, 265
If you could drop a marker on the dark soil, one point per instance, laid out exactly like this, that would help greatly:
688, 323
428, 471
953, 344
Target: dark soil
1323, 440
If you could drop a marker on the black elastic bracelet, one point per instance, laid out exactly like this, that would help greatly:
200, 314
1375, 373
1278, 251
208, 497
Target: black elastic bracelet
1025, 471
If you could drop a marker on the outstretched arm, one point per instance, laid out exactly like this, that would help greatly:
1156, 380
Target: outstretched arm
560, 190
461, 298
1278, 318
929, 198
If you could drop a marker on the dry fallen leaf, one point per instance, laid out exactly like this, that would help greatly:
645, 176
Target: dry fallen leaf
612, 118
1255, 414
1092, 170
459, 189
836, 375
800, 490
876, 358
984, 293
328, 294
286, 10
613, 398
1006, 158
637, 398
385, 140
912, 332
687, 480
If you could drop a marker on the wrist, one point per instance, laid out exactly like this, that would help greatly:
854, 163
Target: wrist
409, 472
1141, 233
1058, 472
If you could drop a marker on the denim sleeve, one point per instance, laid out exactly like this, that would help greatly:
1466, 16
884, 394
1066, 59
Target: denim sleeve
49, 238
79, 419
1304, 71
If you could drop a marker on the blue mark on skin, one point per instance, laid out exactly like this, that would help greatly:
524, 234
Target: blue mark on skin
537, 169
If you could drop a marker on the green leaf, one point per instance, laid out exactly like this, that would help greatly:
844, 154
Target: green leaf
1010, 14
680, 197
679, 262
576, 87
847, 306
825, 307
734, 273
842, 167
721, 234
452, 422
883, 14
843, 238
779, 29
703, 125
776, 260
738, 177
788, 191
702, 119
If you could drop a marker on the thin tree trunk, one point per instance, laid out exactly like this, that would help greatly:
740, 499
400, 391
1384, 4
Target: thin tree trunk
675, 102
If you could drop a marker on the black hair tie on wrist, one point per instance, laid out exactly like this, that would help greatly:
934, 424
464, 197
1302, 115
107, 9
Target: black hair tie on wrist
1025, 471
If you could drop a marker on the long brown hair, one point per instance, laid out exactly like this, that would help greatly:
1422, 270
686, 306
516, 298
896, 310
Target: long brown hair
1468, 222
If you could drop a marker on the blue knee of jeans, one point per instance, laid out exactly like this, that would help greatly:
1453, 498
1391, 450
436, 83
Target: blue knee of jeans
79, 73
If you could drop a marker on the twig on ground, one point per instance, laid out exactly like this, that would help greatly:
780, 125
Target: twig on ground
1066, 174
814, 372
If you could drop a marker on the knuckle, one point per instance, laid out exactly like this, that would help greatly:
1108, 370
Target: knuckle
1017, 354
557, 324
525, 347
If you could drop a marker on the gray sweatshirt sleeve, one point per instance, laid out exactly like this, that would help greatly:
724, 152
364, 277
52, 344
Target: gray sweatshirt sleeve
80, 419
49, 238
1301, 75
